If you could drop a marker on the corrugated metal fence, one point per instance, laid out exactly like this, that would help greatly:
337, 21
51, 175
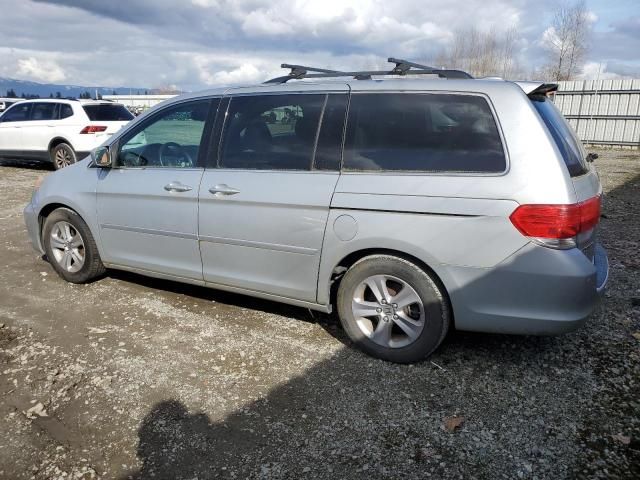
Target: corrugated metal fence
603, 112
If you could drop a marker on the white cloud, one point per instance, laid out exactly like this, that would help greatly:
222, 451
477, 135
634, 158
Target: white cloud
199, 43
43, 70
596, 70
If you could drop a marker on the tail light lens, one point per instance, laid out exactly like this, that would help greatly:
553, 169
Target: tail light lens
557, 226
93, 129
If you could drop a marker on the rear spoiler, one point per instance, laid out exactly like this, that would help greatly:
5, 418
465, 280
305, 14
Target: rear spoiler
537, 88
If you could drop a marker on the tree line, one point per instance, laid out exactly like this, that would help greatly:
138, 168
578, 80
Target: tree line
86, 95
493, 52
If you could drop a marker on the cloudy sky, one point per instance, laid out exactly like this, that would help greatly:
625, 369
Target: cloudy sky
192, 44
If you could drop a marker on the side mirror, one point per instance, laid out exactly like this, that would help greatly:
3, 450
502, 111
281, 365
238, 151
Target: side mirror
101, 157
591, 157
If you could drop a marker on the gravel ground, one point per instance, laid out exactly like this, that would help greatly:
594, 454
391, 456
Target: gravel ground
130, 377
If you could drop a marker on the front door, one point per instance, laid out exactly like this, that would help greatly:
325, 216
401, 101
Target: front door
40, 128
148, 203
12, 124
264, 204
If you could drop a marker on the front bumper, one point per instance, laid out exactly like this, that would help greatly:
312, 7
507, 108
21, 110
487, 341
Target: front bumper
537, 291
33, 227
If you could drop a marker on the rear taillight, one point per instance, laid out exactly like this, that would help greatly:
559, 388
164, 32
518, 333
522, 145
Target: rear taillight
93, 129
557, 226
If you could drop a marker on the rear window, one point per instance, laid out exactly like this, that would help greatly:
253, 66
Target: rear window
105, 112
422, 133
562, 134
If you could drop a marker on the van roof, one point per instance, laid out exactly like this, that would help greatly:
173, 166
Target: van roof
405, 76
489, 85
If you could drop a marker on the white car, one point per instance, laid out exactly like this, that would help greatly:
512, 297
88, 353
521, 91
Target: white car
60, 130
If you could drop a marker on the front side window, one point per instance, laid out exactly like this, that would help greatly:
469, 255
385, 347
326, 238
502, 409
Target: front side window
422, 133
44, 111
17, 113
171, 139
271, 132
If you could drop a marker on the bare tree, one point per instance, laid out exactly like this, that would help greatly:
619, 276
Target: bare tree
567, 40
482, 53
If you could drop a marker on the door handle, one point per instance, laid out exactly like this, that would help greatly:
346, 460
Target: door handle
223, 189
177, 187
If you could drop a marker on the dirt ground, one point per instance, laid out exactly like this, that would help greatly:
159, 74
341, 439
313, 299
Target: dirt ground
130, 377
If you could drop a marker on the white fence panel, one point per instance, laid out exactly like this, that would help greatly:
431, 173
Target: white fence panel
603, 112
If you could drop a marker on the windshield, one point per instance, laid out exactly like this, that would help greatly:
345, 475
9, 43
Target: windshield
106, 112
563, 135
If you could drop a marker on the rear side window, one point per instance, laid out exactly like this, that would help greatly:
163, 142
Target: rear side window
562, 134
422, 133
65, 111
44, 111
271, 132
105, 112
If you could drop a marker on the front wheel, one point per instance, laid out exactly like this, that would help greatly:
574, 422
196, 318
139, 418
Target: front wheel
70, 247
392, 309
62, 155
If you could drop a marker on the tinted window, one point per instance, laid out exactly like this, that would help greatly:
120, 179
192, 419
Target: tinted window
44, 111
329, 148
65, 111
171, 139
422, 132
17, 113
562, 134
271, 132
106, 112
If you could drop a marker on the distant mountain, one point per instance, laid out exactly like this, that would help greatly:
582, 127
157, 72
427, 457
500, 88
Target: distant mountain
46, 89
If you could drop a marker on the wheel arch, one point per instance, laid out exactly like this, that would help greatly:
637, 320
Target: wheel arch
350, 259
55, 141
48, 209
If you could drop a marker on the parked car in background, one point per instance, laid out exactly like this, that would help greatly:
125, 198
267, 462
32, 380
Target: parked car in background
6, 103
409, 206
62, 131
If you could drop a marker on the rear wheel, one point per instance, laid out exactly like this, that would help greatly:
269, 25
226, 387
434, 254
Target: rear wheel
392, 309
70, 247
62, 155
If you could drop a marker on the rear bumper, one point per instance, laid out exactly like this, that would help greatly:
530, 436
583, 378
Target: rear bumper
537, 291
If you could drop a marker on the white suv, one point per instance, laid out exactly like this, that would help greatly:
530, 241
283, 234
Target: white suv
59, 130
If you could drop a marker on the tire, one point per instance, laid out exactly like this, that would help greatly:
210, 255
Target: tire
416, 323
70, 247
62, 155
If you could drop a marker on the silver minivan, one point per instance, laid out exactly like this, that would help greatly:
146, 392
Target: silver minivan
410, 201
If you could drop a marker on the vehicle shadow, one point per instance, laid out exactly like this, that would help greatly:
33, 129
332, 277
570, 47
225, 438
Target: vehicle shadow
221, 296
28, 164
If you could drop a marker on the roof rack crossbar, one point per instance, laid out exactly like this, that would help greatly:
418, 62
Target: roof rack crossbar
403, 67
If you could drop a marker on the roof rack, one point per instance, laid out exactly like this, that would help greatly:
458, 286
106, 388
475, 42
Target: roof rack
402, 68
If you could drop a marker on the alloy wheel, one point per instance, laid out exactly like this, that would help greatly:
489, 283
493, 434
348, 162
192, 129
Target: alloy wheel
388, 311
67, 246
